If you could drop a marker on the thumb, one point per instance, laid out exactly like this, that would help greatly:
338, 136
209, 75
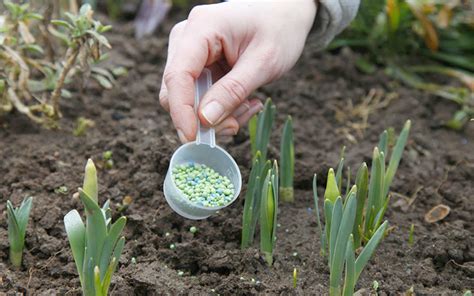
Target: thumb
229, 92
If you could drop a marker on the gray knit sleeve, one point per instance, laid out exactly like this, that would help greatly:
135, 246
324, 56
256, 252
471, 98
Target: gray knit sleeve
331, 18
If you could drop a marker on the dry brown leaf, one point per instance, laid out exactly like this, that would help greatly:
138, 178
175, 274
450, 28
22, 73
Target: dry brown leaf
437, 213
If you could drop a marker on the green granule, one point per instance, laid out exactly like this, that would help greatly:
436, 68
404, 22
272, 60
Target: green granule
202, 185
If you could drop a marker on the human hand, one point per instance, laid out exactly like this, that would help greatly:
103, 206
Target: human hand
245, 44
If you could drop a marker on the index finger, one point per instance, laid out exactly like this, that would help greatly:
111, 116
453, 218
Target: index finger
186, 64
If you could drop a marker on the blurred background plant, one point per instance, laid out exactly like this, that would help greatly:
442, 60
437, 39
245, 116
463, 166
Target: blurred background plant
40, 55
417, 42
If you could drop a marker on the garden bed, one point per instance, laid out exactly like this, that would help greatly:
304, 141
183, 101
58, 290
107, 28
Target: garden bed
438, 167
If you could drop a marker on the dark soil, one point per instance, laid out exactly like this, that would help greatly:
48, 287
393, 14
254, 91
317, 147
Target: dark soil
438, 167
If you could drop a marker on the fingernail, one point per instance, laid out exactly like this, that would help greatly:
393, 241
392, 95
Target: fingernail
227, 132
212, 112
181, 137
241, 110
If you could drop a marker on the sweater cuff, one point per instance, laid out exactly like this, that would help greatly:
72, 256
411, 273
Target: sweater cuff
332, 17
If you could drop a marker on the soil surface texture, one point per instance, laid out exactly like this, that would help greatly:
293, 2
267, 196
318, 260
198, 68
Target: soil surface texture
328, 100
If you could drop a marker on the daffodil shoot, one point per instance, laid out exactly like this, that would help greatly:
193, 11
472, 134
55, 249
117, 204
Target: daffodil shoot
96, 245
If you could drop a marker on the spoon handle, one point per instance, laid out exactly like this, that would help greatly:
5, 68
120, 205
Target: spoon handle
203, 83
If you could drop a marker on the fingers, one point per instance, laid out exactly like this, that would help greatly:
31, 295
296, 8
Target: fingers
230, 126
228, 93
193, 45
255, 106
175, 34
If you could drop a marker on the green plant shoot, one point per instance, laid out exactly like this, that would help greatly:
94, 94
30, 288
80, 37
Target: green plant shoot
260, 129
253, 199
268, 213
411, 235
318, 219
17, 222
97, 245
287, 162
372, 189
340, 222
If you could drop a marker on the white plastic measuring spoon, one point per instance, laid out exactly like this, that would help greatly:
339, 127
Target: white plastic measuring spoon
203, 151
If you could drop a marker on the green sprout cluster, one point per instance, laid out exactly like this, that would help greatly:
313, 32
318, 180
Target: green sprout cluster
263, 189
96, 245
17, 222
202, 185
354, 219
338, 238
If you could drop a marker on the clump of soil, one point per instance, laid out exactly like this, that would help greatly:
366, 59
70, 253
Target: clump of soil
437, 167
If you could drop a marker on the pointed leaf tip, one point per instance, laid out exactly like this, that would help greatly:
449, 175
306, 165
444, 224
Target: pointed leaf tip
332, 191
90, 186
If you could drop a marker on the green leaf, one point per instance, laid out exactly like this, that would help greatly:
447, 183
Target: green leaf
103, 81
34, 16
17, 222
101, 39
96, 230
375, 189
118, 250
34, 48
336, 218
252, 202
108, 276
275, 187
60, 35
328, 208
61, 23
14, 236
380, 214
23, 213
332, 191
120, 71
253, 134
348, 184
369, 249
362, 189
316, 209
264, 127
383, 142
76, 234
287, 161
396, 156
88, 287
97, 283
90, 186
339, 169
267, 211
340, 247
110, 243
350, 272
102, 29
